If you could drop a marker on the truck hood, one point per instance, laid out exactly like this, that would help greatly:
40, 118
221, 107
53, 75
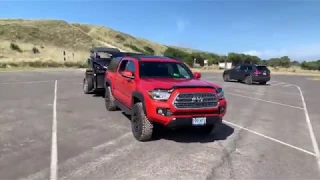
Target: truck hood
164, 83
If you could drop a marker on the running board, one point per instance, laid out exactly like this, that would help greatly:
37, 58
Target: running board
124, 108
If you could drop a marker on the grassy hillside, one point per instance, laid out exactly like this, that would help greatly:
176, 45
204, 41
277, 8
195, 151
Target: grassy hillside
52, 37
56, 43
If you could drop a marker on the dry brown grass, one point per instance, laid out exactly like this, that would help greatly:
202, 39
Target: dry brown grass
52, 37
294, 71
314, 78
48, 53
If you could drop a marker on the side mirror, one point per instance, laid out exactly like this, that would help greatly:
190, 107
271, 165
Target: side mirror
127, 74
197, 75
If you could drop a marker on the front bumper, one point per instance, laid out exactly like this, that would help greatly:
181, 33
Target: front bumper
184, 117
187, 121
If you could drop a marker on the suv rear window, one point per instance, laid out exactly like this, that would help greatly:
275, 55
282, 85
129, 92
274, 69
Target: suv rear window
262, 68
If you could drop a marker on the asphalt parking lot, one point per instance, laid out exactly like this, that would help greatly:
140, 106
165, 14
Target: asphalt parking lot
265, 133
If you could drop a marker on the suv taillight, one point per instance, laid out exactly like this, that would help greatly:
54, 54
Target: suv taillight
257, 72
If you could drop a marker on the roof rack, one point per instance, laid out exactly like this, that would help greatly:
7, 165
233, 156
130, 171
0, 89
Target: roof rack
123, 54
104, 49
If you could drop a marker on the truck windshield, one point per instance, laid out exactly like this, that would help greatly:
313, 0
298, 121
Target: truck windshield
164, 70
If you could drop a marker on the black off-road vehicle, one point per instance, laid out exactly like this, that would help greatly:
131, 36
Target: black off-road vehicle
98, 62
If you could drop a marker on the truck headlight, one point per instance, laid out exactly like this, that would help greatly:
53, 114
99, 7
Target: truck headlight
159, 94
220, 93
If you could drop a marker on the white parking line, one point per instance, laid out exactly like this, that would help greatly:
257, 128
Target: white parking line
308, 121
86, 169
35, 82
258, 99
270, 138
263, 93
54, 149
287, 85
278, 84
312, 136
273, 82
74, 162
27, 82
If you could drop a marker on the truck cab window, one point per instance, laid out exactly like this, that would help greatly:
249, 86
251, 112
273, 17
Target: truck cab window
123, 65
130, 66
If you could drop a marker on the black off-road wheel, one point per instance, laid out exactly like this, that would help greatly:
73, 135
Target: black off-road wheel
248, 80
142, 128
109, 100
226, 77
87, 86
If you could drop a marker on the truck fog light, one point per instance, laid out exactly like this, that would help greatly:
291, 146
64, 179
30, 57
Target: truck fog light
160, 111
164, 111
222, 109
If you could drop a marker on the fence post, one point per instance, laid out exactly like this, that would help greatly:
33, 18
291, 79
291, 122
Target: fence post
64, 55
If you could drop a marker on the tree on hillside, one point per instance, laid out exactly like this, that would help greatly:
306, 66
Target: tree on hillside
149, 50
236, 58
313, 65
284, 61
175, 53
295, 63
189, 60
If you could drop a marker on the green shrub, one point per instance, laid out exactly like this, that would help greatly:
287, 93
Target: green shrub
35, 50
149, 50
15, 47
133, 47
120, 38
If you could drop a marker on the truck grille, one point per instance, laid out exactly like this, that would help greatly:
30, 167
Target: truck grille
195, 100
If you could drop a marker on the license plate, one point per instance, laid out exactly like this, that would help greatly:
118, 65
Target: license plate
200, 121
264, 73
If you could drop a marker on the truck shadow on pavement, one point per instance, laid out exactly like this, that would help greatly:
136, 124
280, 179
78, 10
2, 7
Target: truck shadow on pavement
188, 135
99, 94
191, 136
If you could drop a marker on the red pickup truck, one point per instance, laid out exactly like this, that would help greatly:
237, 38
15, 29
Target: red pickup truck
157, 89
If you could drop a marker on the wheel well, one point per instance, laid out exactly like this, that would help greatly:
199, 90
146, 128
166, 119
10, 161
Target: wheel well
135, 100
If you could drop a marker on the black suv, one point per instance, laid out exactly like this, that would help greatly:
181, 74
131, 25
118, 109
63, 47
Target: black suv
249, 73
